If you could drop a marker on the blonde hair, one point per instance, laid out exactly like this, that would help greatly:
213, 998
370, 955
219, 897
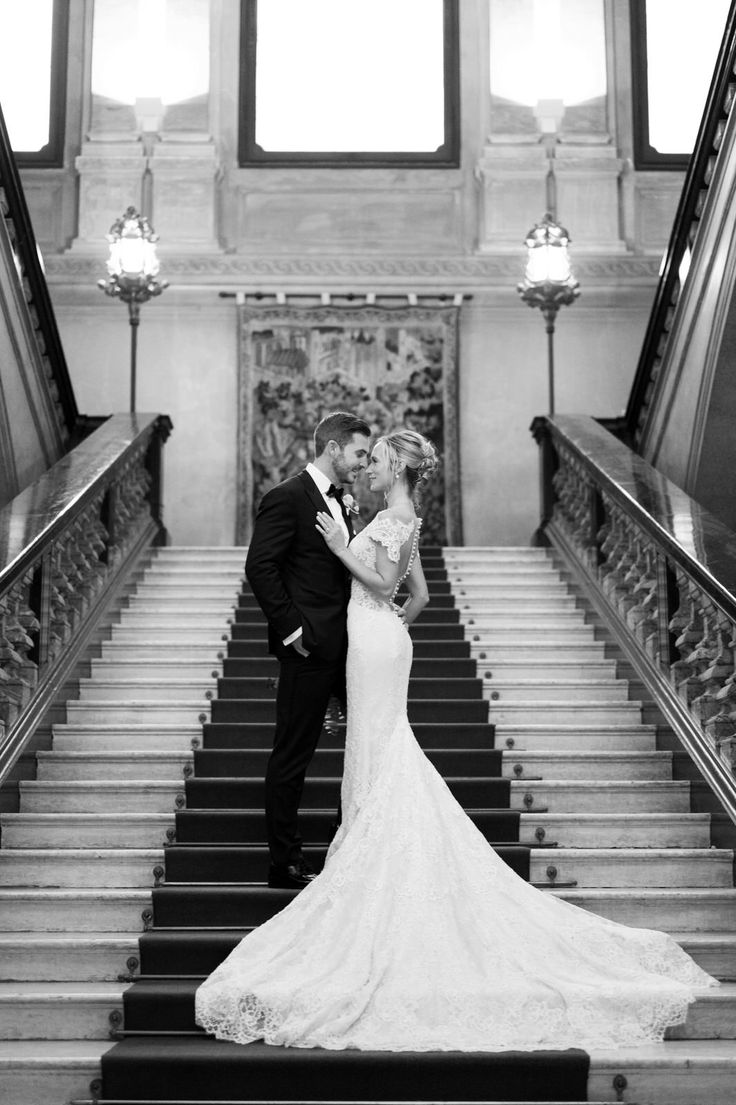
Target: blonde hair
416, 453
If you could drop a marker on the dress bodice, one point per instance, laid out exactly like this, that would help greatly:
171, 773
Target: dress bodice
400, 539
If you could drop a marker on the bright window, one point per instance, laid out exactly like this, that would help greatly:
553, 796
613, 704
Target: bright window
674, 50
329, 82
32, 78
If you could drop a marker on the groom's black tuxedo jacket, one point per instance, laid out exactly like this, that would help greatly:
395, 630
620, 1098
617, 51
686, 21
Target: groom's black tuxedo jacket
295, 578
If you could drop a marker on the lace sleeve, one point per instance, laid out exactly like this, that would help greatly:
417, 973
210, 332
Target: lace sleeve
390, 533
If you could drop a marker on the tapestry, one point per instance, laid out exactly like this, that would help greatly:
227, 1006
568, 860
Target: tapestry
393, 366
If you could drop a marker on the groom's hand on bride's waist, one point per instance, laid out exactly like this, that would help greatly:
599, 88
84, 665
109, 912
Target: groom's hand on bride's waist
400, 613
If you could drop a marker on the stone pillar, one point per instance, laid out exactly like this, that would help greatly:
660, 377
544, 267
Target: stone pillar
110, 179
184, 179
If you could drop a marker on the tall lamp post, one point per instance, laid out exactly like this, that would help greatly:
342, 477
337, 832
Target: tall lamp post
548, 279
132, 267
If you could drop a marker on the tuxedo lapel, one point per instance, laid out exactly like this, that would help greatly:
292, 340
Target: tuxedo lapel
315, 496
312, 490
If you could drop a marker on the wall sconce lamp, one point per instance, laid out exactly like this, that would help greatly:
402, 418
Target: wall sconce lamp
548, 278
132, 267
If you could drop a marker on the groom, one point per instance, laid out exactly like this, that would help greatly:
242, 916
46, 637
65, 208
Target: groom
303, 590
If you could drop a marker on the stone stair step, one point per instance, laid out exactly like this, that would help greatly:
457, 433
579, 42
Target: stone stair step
67, 957
715, 952
45, 1010
542, 653
180, 651
164, 637
476, 572
593, 765
163, 618
98, 764
561, 713
42, 1072
648, 796
120, 738
495, 554
682, 910
208, 554
189, 582
508, 615
142, 712
89, 830
98, 796
524, 605
145, 690
711, 1017
503, 634
556, 669
677, 1072
615, 830
173, 605
632, 867
574, 738
73, 910
504, 691
114, 669
69, 867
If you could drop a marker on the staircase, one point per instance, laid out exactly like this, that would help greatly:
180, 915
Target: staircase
574, 793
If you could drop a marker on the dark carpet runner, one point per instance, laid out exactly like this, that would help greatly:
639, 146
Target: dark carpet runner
214, 892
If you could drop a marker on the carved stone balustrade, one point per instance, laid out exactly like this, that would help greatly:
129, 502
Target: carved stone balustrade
660, 571
68, 545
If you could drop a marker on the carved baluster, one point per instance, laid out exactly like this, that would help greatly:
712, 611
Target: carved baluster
697, 644
21, 625
10, 660
708, 705
720, 727
61, 616
642, 617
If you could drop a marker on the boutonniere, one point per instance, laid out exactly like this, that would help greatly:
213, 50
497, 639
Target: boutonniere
350, 504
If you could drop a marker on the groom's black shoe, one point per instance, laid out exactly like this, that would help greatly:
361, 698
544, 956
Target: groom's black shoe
294, 876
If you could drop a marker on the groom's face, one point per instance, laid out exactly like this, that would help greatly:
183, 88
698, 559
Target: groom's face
349, 461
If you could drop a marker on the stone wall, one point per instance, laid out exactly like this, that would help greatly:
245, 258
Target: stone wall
378, 231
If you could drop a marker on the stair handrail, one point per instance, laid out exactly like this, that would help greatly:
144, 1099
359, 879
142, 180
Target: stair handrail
700, 171
660, 571
14, 210
68, 545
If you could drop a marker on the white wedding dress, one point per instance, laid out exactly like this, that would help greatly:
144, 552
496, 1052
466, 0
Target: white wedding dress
416, 936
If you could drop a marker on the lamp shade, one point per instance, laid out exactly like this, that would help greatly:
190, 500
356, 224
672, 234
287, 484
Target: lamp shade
548, 260
548, 278
132, 248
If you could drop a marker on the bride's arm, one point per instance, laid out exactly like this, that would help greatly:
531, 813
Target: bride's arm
418, 592
382, 579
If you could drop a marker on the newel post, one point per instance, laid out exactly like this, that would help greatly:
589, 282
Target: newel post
548, 465
154, 467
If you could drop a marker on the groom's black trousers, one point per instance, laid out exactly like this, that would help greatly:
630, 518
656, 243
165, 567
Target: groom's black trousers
306, 684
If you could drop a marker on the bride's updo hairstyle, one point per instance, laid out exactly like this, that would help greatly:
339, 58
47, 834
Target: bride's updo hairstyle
409, 448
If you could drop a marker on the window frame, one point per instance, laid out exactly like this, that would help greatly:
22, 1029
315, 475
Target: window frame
646, 157
251, 155
51, 156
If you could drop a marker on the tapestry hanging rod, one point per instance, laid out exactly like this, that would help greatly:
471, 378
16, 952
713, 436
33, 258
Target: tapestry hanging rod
369, 299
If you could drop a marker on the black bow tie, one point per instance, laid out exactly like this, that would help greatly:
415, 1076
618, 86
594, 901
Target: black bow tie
335, 493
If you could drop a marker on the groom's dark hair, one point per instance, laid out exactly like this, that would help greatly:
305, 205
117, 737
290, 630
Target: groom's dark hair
338, 426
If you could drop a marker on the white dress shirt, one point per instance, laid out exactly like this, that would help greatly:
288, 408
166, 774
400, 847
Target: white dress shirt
323, 486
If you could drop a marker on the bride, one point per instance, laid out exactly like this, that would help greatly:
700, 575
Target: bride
416, 936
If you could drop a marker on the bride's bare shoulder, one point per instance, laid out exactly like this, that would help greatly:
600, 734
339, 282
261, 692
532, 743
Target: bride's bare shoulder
406, 517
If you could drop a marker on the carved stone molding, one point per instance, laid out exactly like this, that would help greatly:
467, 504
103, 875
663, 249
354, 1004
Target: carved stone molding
220, 268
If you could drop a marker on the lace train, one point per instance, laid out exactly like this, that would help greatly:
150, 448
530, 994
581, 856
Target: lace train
416, 936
